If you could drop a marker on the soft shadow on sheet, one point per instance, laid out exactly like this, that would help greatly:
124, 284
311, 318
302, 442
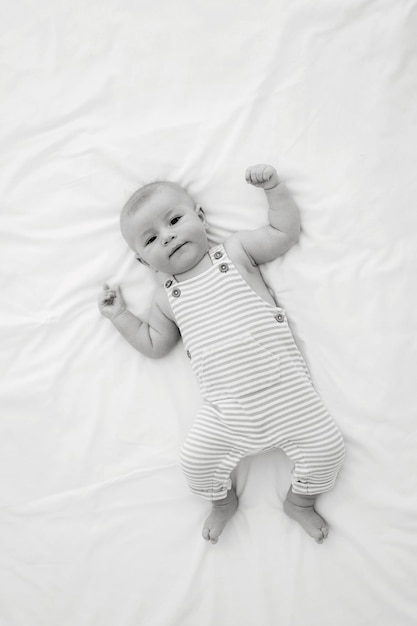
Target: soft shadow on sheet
97, 524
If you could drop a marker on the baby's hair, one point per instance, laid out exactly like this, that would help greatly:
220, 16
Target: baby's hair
143, 193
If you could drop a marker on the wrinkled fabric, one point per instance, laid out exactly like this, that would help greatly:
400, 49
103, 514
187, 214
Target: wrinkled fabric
97, 525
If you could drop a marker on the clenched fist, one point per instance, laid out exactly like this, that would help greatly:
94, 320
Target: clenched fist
111, 302
264, 176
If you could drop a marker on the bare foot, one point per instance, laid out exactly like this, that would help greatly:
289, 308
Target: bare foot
220, 514
301, 509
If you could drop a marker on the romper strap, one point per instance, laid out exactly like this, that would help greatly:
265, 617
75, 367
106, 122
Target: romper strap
218, 254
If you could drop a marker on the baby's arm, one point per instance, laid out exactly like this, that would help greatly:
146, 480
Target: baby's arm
153, 338
271, 241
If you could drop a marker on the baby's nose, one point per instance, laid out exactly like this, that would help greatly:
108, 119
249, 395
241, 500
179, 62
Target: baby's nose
168, 237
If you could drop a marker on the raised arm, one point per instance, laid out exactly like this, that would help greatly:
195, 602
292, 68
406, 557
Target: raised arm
153, 338
282, 232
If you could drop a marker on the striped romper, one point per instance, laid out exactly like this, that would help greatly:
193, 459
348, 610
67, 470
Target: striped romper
256, 387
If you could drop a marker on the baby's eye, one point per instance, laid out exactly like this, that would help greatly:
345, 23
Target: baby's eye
175, 220
150, 240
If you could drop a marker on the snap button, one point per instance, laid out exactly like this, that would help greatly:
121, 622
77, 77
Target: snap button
224, 267
168, 284
176, 292
189, 354
280, 318
218, 254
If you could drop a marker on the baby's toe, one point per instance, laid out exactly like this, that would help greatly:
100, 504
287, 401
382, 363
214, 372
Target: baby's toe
321, 534
214, 534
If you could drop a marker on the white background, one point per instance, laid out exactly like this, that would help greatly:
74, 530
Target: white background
97, 527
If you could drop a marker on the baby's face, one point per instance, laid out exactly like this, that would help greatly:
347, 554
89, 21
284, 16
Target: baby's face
168, 232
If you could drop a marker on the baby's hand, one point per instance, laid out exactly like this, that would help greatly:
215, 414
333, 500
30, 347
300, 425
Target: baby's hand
262, 175
111, 302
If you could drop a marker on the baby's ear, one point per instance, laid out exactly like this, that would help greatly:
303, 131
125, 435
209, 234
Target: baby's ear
200, 212
138, 258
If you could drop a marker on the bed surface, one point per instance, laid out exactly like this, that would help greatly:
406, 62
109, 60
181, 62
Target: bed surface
97, 526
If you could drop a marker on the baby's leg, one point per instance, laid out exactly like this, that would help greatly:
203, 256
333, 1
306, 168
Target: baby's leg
301, 509
220, 514
317, 462
209, 455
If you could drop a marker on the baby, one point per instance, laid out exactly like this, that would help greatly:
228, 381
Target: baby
257, 390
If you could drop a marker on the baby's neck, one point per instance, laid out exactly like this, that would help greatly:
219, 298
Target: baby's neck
204, 264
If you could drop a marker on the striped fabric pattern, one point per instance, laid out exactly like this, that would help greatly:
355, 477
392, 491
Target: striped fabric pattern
256, 387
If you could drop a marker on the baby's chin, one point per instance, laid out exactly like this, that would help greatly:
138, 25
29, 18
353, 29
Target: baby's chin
183, 261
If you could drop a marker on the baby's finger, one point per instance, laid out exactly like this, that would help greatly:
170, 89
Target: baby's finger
107, 295
260, 178
268, 173
110, 297
254, 177
251, 175
102, 302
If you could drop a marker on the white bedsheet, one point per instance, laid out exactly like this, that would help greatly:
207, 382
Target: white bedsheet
97, 526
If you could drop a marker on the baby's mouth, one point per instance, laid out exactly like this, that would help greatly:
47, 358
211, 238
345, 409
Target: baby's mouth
174, 250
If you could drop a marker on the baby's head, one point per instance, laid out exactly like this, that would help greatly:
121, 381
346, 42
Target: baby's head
165, 228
